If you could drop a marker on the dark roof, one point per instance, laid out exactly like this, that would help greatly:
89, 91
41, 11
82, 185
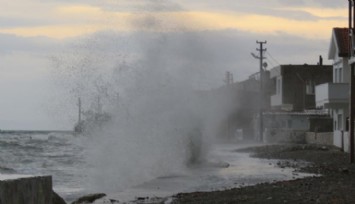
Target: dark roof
342, 39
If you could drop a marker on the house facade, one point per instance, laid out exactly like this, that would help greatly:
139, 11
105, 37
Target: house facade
294, 86
292, 102
334, 96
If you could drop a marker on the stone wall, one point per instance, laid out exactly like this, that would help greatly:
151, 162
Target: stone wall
284, 136
323, 138
33, 190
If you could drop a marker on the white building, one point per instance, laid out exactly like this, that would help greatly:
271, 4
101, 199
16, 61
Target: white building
335, 96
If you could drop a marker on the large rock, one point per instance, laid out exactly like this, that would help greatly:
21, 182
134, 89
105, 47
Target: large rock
56, 199
89, 198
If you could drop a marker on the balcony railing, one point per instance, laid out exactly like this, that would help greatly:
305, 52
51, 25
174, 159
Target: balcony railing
332, 94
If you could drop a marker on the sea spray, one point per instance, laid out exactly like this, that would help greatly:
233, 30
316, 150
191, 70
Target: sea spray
162, 119
157, 124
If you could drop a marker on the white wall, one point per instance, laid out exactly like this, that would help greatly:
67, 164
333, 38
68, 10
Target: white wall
342, 114
346, 71
341, 140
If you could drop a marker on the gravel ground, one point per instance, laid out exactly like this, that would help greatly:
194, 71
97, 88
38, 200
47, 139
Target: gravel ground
335, 185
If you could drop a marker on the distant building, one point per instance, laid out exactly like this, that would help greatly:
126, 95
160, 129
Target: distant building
292, 110
242, 101
294, 86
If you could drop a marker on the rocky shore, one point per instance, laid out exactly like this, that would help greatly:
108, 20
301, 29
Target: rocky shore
334, 183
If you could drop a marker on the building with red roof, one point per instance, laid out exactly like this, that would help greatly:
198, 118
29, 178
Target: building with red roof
334, 96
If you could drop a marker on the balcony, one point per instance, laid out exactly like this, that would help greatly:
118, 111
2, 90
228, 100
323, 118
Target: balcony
276, 100
332, 95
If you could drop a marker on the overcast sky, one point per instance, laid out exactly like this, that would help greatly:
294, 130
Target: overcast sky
33, 32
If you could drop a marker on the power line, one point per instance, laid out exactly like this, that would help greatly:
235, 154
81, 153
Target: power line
268, 53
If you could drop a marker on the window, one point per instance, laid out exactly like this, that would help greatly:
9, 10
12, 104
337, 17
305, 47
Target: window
335, 75
310, 87
283, 124
340, 122
340, 75
289, 124
278, 86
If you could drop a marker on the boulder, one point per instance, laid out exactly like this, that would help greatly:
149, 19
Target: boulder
89, 198
56, 199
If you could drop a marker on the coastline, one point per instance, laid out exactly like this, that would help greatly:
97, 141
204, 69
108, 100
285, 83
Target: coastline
333, 180
336, 183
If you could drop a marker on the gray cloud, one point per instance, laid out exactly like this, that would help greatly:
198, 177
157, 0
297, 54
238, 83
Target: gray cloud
228, 49
217, 50
271, 8
289, 14
291, 2
12, 43
209, 54
277, 8
331, 3
314, 3
160, 5
138, 5
8, 22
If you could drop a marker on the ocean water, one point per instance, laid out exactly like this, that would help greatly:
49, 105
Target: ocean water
58, 154
63, 156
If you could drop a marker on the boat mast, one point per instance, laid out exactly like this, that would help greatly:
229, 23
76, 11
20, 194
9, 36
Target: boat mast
79, 113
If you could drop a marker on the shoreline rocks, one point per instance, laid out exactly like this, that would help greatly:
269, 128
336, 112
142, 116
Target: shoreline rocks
89, 198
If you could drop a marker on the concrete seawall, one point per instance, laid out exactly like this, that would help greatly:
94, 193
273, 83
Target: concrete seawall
322, 138
32, 190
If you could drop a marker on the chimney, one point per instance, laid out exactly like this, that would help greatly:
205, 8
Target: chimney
320, 60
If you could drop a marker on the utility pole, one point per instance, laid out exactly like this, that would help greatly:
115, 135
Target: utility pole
229, 78
352, 78
261, 95
229, 81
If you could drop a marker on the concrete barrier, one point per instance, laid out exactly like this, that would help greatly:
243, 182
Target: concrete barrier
323, 138
284, 136
31, 190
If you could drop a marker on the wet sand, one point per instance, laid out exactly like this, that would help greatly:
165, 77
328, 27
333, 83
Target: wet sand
335, 183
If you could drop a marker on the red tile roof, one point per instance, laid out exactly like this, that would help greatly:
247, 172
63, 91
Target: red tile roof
342, 38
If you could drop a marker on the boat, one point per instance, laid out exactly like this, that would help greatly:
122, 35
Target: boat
89, 120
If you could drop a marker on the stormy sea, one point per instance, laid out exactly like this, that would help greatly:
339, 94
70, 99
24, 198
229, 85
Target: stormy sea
59, 154
64, 156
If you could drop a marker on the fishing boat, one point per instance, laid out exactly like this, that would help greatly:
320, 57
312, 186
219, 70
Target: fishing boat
89, 120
